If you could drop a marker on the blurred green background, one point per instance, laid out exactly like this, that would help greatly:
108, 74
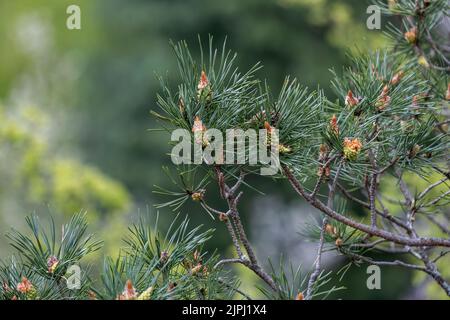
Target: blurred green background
75, 111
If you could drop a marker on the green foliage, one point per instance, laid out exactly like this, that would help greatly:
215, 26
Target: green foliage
173, 265
44, 258
150, 266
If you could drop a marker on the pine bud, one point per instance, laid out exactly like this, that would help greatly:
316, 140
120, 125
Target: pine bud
411, 35
199, 130
423, 62
339, 242
323, 151
414, 151
334, 125
223, 217
350, 100
204, 88
198, 196
196, 269
204, 82
324, 171
146, 295
396, 78
392, 4
447, 94
52, 263
383, 99
352, 147
129, 293
164, 257
329, 229
92, 295
27, 288
284, 149
300, 296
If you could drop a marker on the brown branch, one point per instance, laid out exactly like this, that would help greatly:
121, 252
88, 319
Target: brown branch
237, 231
415, 242
317, 262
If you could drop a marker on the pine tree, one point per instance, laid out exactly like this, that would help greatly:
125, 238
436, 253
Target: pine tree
387, 130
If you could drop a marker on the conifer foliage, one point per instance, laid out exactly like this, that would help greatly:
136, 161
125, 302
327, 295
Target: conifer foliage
387, 130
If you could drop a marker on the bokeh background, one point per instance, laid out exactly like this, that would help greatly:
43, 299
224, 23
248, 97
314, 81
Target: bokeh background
75, 112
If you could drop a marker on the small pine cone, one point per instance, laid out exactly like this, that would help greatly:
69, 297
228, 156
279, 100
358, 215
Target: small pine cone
352, 147
196, 269
129, 293
198, 196
91, 295
284, 149
411, 35
334, 125
300, 296
423, 62
414, 151
329, 229
26, 287
397, 77
351, 100
204, 88
146, 295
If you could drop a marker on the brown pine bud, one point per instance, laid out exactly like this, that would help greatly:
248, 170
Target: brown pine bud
350, 100
91, 295
339, 242
334, 125
411, 35
397, 77
329, 229
300, 296
414, 151
223, 217
196, 269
